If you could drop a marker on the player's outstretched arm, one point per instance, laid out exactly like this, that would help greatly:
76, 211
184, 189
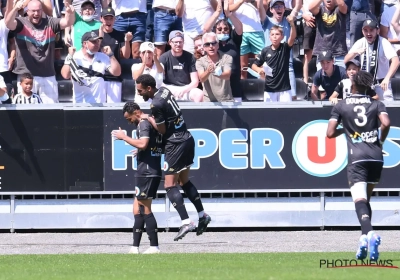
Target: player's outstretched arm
140, 143
333, 131
159, 127
385, 126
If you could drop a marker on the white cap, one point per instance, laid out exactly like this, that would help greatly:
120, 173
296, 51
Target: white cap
147, 46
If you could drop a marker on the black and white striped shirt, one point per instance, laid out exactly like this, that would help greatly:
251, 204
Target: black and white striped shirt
21, 98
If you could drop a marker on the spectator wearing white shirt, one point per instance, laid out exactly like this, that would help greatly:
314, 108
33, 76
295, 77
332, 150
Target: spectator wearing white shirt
6, 60
194, 14
26, 96
251, 13
165, 20
131, 16
377, 57
149, 65
387, 30
87, 67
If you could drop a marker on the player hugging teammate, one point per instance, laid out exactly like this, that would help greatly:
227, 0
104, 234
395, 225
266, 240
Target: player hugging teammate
360, 116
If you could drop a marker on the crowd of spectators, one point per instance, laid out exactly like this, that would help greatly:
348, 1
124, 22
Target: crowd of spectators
202, 50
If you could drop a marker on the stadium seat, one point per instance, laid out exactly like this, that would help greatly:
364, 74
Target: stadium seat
301, 89
58, 64
65, 91
128, 90
312, 68
395, 88
298, 67
126, 66
253, 89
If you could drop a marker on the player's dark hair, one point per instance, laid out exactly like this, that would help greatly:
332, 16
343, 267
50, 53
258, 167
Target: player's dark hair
146, 80
363, 81
26, 76
130, 107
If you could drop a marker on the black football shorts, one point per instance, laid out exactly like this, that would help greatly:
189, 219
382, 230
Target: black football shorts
146, 187
364, 171
178, 156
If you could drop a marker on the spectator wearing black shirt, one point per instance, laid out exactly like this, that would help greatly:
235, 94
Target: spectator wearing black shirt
229, 40
121, 48
328, 77
276, 57
181, 76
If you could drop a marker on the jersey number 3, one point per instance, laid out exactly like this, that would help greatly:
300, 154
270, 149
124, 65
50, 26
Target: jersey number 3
360, 110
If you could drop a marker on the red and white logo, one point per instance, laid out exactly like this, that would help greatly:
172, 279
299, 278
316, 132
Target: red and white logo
317, 155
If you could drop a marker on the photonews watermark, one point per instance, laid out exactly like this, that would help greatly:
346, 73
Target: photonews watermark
343, 263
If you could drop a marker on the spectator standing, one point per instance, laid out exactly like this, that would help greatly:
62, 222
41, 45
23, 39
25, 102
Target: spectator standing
377, 57
360, 11
276, 57
214, 71
83, 23
230, 40
251, 14
277, 8
308, 37
97, 6
35, 40
387, 30
165, 20
330, 19
181, 76
120, 45
194, 14
87, 67
131, 16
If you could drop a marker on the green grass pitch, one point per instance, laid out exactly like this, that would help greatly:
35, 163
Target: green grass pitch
190, 266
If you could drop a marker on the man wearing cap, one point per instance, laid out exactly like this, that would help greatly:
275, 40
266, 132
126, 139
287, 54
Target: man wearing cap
149, 65
378, 57
87, 67
35, 40
181, 76
83, 23
330, 19
328, 76
120, 45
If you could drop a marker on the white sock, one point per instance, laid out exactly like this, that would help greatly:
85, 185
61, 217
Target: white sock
154, 247
186, 222
201, 214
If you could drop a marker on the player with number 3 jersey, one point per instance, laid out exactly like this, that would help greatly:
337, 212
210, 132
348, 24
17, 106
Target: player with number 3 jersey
361, 117
179, 149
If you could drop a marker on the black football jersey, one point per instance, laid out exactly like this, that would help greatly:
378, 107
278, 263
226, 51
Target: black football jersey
359, 115
166, 110
149, 160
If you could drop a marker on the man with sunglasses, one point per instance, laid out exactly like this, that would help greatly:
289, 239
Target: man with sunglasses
214, 71
180, 70
87, 67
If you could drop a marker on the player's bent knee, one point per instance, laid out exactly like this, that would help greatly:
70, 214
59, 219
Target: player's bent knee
359, 191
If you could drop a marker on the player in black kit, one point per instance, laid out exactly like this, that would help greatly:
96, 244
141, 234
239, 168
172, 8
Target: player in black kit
147, 177
179, 152
360, 116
